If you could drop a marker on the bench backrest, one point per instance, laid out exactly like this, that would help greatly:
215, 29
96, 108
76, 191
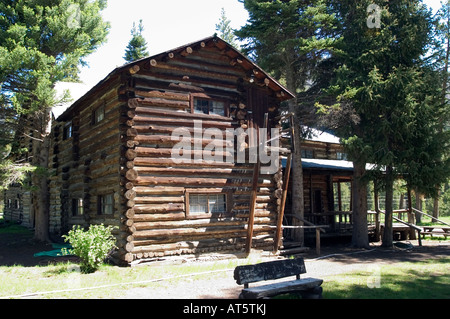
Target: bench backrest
269, 270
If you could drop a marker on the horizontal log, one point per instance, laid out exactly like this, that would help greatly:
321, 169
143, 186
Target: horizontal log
158, 208
163, 103
130, 213
179, 122
195, 181
167, 152
133, 103
130, 194
193, 171
158, 217
182, 115
159, 199
172, 140
131, 174
165, 95
204, 231
165, 162
131, 132
159, 190
131, 154
188, 223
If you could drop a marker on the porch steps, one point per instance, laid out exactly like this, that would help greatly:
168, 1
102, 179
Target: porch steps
292, 248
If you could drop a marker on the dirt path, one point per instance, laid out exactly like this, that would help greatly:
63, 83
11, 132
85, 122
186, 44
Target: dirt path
333, 261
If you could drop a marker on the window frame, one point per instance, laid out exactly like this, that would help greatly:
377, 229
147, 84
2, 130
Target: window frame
77, 209
201, 96
68, 130
95, 114
207, 192
102, 205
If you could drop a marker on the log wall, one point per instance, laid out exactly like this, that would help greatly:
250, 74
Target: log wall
156, 189
17, 206
85, 165
130, 154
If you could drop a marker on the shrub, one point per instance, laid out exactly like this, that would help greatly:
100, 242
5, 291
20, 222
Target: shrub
91, 246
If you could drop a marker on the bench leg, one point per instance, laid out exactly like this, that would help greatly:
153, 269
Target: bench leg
313, 293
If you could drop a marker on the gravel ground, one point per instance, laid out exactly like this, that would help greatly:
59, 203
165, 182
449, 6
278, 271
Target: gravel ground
333, 260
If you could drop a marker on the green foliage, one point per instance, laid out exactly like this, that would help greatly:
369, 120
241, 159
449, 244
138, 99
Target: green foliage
137, 47
225, 31
11, 173
288, 38
91, 246
394, 96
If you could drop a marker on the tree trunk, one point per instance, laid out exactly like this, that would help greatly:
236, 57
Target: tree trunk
436, 202
360, 234
418, 206
387, 233
39, 178
297, 208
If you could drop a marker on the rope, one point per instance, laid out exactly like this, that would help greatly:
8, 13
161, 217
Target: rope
113, 285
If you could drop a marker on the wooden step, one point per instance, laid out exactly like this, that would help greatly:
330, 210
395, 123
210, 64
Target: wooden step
293, 251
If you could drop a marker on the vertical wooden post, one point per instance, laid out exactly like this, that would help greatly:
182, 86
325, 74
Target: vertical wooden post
377, 210
287, 172
251, 217
412, 233
318, 241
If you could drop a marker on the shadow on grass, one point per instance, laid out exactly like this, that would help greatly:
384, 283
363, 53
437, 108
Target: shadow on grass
427, 280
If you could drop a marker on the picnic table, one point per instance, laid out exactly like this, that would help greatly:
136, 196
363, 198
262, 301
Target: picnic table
435, 230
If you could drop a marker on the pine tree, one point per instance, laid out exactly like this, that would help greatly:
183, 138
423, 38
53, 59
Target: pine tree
225, 32
288, 38
41, 43
137, 47
383, 80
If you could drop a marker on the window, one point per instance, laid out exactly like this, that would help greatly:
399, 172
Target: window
209, 107
307, 153
213, 203
341, 156
106, 204
99, 114
67, 130
77, 207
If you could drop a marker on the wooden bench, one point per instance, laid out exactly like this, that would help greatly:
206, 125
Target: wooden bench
307, 287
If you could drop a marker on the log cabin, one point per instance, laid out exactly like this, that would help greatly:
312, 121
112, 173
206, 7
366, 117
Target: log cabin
148, 150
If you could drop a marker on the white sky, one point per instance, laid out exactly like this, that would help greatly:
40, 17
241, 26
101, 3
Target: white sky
167, 24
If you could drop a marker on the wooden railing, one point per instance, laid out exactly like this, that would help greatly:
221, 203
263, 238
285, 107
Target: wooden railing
339, 221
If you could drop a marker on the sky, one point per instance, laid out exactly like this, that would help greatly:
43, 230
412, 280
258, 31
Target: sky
167, 24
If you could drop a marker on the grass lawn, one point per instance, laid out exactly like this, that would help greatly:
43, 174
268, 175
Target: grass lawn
425, 280
429, 279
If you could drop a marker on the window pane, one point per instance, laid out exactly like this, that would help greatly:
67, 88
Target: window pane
209, 107
217, 203
201, 106
99, 114
80, 206
217, 108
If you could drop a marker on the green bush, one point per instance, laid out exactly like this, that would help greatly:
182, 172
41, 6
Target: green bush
91, 246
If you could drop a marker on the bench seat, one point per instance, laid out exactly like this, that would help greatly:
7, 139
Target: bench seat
272, 270
299, 285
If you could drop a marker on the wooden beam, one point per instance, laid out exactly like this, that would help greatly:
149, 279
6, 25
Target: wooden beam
251, 218
283, 203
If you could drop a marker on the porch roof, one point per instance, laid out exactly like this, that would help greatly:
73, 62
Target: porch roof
327, 164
